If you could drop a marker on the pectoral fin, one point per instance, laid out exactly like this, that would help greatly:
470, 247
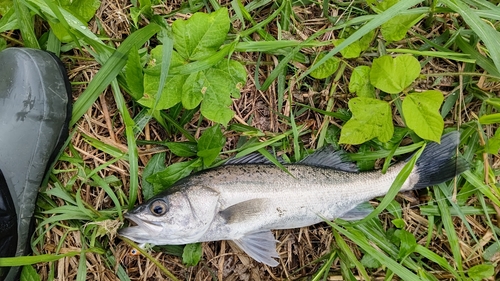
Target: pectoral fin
261, 246
245, 211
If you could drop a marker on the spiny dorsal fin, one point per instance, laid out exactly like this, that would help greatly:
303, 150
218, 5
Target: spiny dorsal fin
261, 246
327, 157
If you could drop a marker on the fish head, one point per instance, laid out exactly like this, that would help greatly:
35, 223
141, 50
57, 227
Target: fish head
178, 218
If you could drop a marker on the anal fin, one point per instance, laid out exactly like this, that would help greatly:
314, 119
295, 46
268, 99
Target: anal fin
359, 212
261, 246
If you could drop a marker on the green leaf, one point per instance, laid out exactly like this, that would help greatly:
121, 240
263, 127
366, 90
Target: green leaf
393, 75
29, 274
491, 253
399, 223
192, 254
396, 28
493, 144
156, 60
421, 111
133, 74
481, 272
193, 90
210, 144
164, 179
5, 6
201, 35
370, 262
154, 166
360, 82
354, 49
84, 10
183, 149
170, 95
371, 118
237, 73
327, 68
407, 243
214, 86
489, 119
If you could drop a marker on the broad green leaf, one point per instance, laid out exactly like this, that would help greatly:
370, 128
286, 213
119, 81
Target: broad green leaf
170, 95
133, 74
214, 87
192, 254
155, 165
491, 252
326, 69
193, 90
393, 75
396, 28
371, 118
156, 59
380, 6
5, 6
164, 179
238, 74
28, 273
183, 149
201, 35
360, 82
481, 272
407, 243
210, 144
421, 111
354, 50
370, 262
399, 223
493, 144
84, 10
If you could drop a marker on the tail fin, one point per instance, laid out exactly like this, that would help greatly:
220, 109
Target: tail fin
439, 163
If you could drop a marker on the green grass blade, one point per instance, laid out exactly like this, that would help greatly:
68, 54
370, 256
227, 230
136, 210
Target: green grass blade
110, 70
487, 33
25, 260
26, 24
73, 22
359, 239
133, 157
450, 228
349, 254
481, 60
8, 21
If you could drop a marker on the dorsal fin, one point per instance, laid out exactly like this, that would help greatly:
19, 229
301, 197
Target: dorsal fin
327, 157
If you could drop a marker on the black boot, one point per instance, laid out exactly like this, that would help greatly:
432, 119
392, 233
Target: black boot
35, 108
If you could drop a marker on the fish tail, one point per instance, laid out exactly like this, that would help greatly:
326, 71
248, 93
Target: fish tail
439, 162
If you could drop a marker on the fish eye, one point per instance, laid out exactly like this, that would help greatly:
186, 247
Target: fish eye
158, 207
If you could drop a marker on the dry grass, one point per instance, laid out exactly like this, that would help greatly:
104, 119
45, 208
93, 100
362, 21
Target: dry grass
298, 248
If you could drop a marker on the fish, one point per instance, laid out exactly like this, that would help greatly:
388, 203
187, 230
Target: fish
248, 197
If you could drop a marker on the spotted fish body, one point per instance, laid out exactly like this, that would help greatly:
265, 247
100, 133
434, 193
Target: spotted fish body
243, 200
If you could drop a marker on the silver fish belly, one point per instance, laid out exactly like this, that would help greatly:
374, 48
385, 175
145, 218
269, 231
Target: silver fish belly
244, 200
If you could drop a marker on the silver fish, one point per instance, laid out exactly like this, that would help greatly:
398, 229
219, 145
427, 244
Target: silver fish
246, 198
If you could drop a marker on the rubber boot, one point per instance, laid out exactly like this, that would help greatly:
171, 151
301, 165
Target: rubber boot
35, 109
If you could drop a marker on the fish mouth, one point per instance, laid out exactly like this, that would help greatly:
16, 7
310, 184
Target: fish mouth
140, 230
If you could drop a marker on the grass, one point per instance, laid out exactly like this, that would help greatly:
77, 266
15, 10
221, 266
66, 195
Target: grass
449, 232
